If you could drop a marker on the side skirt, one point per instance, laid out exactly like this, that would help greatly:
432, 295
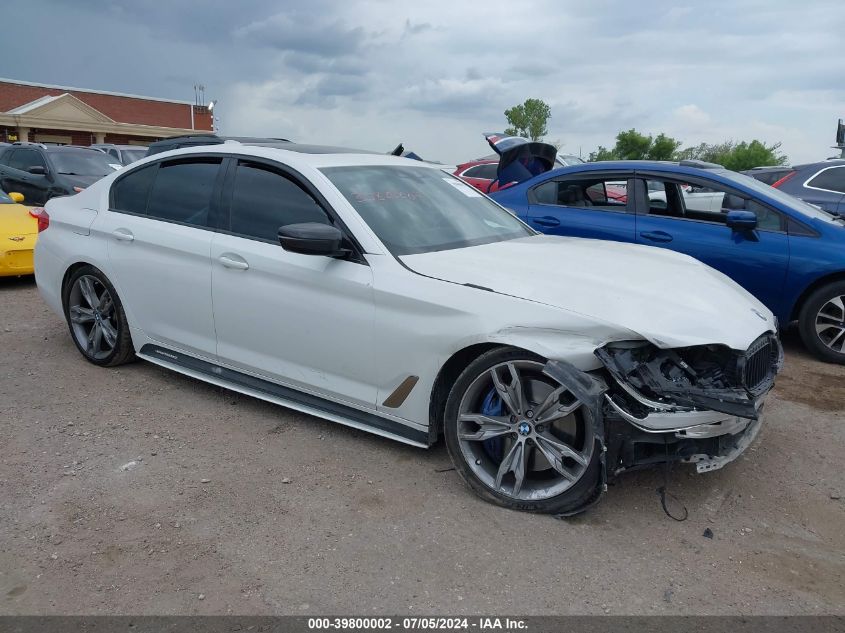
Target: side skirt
285, 396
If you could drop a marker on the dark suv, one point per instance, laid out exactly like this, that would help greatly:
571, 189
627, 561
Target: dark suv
41, 172
821, 184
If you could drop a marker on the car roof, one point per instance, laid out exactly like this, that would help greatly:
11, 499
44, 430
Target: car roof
315, 156
73, 148
684, 167
830, 162
126, 146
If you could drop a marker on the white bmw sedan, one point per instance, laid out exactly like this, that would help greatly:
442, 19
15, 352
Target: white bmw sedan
387, 295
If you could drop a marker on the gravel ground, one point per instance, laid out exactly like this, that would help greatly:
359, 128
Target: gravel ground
139, 491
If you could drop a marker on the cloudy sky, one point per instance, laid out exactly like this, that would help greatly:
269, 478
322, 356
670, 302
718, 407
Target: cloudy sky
436, 74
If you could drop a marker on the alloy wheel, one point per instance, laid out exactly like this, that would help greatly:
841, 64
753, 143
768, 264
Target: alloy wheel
92, 316
830, 324
522, 433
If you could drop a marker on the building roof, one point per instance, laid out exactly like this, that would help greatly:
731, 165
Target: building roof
89, 90
33, 105
25, 100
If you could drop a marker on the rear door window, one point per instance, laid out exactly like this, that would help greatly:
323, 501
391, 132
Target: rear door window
181, 191
600, 194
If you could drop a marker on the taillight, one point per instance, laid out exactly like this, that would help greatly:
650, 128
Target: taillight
42, 216
78, 189
778, 183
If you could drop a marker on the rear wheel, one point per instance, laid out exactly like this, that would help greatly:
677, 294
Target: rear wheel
96, 318
822, 322
519, 438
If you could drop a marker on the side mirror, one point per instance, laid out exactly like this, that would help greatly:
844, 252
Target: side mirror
16, 197
741, 220
312, 238
38, 170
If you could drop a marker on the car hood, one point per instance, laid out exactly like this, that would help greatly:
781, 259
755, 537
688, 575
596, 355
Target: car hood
82, 182
668, 298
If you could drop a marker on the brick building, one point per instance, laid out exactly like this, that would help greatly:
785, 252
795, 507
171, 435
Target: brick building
58, 114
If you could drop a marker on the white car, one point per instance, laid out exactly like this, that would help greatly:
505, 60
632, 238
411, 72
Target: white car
387, 295
701, 199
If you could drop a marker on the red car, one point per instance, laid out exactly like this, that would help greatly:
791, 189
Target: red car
479, 173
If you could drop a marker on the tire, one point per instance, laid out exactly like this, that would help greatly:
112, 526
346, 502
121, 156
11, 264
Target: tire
483, 436
821, 322
90, 304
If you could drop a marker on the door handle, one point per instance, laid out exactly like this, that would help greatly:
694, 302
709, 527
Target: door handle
656, 236
123, 235
547, 221
230, 260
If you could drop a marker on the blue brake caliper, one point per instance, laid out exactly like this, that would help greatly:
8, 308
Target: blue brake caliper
492, 406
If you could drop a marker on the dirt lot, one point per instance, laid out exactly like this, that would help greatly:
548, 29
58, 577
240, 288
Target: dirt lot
238, 506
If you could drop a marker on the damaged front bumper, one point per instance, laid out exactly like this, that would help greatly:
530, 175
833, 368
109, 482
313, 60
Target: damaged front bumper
734, 445
650, 406
662, 390
699, 405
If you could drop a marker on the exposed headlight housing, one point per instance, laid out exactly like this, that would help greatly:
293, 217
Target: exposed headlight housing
712, 377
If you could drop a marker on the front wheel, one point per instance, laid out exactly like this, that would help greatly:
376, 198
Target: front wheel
518, 437
822, 322
96, 318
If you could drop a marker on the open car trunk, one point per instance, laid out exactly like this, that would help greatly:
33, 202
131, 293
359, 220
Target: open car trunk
519, 158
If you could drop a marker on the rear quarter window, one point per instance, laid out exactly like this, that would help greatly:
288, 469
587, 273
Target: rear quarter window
130, 193
831, 179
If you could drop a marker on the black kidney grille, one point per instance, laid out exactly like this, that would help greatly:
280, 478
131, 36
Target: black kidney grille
760, 362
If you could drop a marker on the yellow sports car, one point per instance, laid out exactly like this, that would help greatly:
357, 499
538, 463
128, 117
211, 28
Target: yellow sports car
18, 232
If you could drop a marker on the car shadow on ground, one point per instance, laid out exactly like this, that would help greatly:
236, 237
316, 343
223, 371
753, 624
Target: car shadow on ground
17, 283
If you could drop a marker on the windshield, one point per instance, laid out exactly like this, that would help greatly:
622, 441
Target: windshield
569, 159
420, 210
131, 155
784, 198
82, 162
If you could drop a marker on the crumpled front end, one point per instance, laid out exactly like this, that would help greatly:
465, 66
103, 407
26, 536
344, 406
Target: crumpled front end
700, 404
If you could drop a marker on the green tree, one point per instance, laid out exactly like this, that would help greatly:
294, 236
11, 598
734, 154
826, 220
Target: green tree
663, 148
529, 119
737, 156
632, 145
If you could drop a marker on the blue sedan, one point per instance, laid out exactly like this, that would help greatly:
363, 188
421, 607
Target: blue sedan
787, 253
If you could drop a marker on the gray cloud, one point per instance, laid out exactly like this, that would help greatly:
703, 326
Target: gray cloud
309, 63
303, 33
416, 29
323, 93
436, 74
